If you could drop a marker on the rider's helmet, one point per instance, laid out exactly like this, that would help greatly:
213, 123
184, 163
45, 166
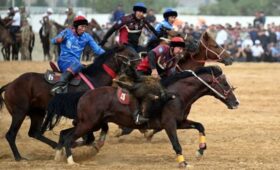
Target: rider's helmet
140, 6
16, 9
50, 10
169, 12
80, 20
177, 42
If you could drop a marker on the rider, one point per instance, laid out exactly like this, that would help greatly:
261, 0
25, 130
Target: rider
163, 59
15, 23
70, 17
163, 27
130, 27
162, 62
72, 42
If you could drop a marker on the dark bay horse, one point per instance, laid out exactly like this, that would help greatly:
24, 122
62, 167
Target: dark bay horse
29, 94
102, 105
208, 50
7, 41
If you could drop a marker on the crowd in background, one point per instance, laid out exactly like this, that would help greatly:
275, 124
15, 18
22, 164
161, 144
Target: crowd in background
255, 42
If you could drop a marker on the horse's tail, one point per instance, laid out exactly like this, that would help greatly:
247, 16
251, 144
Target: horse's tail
61, 105
52, 116
2, 89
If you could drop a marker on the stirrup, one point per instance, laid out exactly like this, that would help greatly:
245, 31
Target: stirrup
58, 89
140, 120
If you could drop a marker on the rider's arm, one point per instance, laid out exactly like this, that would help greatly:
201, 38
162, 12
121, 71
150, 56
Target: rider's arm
152, 63
152, 59
151, 28
95, 47
59, 38
114, 28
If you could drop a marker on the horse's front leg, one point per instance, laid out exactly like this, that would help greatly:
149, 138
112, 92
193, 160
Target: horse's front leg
189, 124
102, 137
35, 127
170, 130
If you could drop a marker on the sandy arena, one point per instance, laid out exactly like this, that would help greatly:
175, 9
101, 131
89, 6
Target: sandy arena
245, 138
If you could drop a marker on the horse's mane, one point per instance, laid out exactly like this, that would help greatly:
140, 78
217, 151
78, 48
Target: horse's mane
64, 104
96, 66
215, 70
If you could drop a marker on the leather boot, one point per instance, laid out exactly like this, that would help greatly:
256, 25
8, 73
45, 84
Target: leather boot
62, 83
138, 118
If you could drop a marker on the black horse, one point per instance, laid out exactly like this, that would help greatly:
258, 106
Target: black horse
29, 94
102, 105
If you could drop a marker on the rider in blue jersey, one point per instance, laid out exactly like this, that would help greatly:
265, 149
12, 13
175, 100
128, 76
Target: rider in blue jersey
72, 42
163, 27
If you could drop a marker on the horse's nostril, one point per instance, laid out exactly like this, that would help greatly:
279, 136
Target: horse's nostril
237, 103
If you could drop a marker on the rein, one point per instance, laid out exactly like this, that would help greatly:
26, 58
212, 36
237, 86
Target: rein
207, 49
128, 61
209, 86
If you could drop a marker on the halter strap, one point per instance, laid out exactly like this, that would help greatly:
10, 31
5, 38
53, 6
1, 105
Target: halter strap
109, 71
206, 84
208, 49
90, 85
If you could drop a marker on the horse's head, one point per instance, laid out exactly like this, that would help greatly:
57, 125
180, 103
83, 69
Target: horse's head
127, 56
114, 61
213, 51
222, 90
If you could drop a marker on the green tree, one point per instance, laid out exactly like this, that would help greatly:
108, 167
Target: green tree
40, 3
241, 7
108, 6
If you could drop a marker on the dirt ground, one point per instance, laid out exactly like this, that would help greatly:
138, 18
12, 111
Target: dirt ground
245, 138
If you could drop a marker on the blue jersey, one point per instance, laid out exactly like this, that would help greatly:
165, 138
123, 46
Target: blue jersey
160, 27
72, 47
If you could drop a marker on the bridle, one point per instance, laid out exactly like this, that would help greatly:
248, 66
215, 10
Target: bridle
207, 49
126, 60
215, 82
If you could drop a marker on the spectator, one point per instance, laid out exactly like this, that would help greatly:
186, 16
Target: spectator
118, 14
212, 31
274, 53
259, 19
70, 17
257, 51
222, 35
151, 18
262, 17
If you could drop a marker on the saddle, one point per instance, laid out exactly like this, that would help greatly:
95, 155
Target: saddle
53, 76
123, 96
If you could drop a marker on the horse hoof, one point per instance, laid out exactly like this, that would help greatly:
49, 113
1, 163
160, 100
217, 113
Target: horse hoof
21, 159
98, 145
118, 133
199, 153
24, 159
184, 164
148, 135
59, 155
70, 161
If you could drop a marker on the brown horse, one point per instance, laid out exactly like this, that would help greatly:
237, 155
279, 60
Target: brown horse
29, 94
102, 105
208, 50
7, 41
